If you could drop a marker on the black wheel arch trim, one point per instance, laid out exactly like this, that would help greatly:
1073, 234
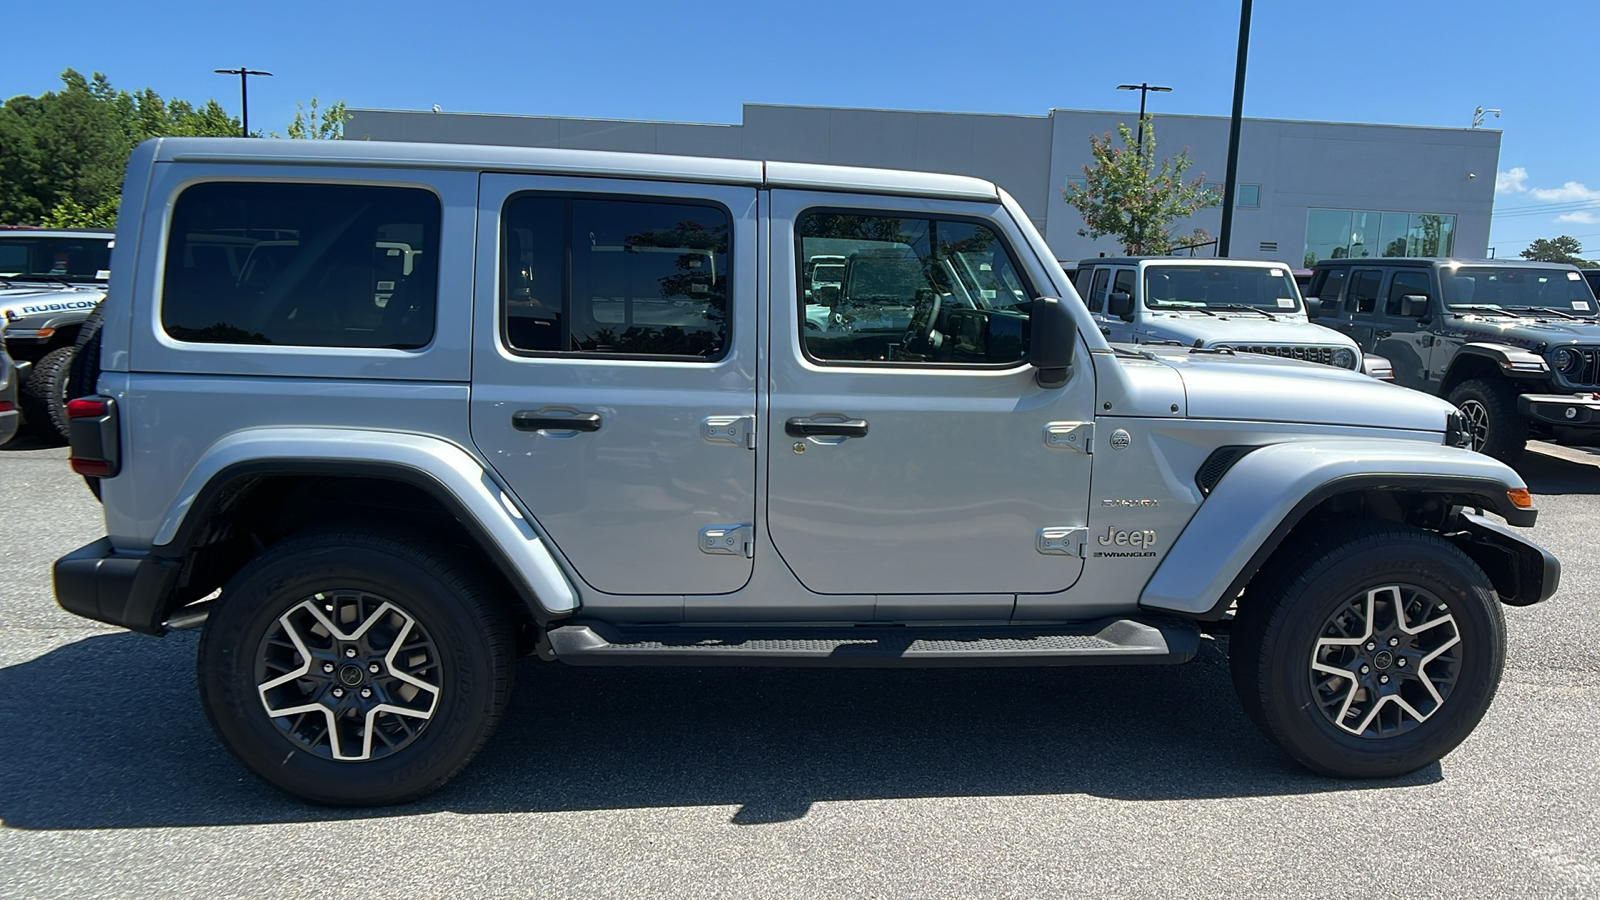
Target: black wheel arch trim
1466, 491
200, 511
1502, 355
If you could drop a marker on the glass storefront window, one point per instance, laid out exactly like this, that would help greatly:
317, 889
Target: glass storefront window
1327, 235
1341, 233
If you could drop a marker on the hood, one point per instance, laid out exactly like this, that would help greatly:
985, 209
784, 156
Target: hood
21, 302
1241, 328
1255, 388
1525, 332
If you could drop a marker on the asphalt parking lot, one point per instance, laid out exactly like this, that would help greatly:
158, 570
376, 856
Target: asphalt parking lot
1114, 782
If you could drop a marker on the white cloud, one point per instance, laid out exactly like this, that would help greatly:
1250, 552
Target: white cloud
1581, 218
1571, 192
1512, 182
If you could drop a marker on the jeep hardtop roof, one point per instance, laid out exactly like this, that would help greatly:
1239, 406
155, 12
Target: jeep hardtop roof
592, 163
1177, 261
1429, 262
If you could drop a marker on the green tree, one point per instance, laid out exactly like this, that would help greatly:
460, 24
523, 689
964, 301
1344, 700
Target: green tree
317, 125
1129, 198
62, 154
1563, 249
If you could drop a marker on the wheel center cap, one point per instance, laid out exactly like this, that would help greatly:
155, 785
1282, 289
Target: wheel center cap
351, 675
1383, 660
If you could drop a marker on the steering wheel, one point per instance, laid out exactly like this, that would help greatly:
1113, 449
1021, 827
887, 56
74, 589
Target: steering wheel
924, 316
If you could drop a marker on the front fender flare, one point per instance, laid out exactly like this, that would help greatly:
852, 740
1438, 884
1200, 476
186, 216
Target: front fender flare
444, 470
1269, 490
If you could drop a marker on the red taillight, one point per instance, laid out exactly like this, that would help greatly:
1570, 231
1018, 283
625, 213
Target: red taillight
86, 408
96, 467
7, 406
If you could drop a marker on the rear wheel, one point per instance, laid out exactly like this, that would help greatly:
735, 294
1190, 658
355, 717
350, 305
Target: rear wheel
354, 666
84, 376
44, 395
1489, 407
1371, 652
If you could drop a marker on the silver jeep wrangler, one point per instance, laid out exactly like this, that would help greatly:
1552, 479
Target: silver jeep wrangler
384, 417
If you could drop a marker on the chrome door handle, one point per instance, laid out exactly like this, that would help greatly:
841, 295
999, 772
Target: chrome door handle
802, 426
529, 420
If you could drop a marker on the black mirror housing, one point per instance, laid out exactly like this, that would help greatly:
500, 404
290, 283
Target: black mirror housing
1120, 304
1313, 307
1052, 338
1414, 306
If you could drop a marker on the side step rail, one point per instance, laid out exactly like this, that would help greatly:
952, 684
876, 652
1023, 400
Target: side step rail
1101, 642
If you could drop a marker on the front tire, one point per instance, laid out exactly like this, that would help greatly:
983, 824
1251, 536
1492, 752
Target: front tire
355, 666
1370, 650
1489, 407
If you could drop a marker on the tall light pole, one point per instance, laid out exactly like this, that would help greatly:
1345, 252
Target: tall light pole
1143, 89
1228, 187
244, 93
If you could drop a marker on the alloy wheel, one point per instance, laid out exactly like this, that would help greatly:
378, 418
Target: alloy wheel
1385, 661
1476, 417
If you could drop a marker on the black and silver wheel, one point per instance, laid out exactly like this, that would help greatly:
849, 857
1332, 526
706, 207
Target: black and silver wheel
1489, 410
355, 666
1370, 650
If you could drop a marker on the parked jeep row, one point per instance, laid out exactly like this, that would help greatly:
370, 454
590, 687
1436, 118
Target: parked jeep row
1514, 344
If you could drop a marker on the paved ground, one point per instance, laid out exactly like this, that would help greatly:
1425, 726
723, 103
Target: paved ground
773, 783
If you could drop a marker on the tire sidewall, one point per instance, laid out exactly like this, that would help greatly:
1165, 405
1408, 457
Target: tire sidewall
1506, 430
1293, 712
262, 592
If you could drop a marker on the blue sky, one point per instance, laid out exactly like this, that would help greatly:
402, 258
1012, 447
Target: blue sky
1410, 63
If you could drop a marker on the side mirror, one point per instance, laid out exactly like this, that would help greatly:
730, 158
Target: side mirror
1120, 304
1414, 306
1313, 307
1053, 335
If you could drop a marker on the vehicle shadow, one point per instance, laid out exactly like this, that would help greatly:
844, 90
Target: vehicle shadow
1546, 474
25, 441
108, 732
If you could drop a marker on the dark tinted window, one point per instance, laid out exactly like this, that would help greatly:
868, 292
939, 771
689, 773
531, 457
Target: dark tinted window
1364, 290
1326, 285
312, 265
1124, 282
74, 259
1517, 286
1097, 293
616, 276
914, 290
1403, 283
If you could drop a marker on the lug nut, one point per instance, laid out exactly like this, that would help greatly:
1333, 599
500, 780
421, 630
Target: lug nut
337, 692
1383, 679
1394, 642
1401, 662
373, 668
328, 668
350, 651
366, 692
1371, 645
1365, 669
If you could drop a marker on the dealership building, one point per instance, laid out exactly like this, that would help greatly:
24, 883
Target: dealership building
1306, 191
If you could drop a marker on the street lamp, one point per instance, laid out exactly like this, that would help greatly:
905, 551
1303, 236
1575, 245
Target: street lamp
244, 94
1143, 89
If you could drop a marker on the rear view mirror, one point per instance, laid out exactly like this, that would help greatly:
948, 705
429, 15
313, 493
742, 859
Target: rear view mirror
1313, 307
1120, 304
1053, 335
1414, 306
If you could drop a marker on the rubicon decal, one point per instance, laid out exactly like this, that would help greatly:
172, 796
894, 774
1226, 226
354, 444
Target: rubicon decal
33, 309
1139, 541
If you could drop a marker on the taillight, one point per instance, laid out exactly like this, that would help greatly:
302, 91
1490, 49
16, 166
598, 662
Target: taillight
93, 430
7, 406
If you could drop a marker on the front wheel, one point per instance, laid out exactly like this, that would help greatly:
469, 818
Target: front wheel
1494, 427
353, 666
1370, 651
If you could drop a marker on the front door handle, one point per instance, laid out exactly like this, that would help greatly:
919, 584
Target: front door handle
802, 426
529, 420
1382, 333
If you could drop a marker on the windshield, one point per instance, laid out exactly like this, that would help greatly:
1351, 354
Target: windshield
1514, 287
1202, 286
84, 259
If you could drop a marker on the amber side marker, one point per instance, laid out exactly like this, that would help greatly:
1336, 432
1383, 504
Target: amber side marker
1520, 498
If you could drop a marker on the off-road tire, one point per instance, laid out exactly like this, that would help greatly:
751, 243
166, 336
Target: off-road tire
85, 373
44, 396
1293, 604
470, 644
1489, 406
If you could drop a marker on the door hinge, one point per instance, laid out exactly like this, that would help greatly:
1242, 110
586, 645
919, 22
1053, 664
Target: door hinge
1077, 436
740, 431
728, 540
1064, 541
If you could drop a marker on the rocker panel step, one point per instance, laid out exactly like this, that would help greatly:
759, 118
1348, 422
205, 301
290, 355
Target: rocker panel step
1102, 642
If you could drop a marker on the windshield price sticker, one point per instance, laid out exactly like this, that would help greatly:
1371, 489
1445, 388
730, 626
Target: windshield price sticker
1574, 276
1275, 273
1581, 304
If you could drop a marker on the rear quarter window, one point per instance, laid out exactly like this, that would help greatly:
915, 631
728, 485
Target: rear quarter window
311, 265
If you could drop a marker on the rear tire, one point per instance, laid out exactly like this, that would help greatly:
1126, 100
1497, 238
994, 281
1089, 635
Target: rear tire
1369, 651
44, 396
355, 666
85, 373
1489, 406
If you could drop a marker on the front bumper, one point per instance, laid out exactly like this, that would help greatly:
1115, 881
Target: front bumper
1581, 410
97, 582
1523, 572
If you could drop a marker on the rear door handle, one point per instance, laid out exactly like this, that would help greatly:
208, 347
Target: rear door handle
1382, 333
802, 426
529, 420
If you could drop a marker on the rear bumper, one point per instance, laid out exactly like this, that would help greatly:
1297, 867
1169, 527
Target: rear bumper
1568, 410
132, 591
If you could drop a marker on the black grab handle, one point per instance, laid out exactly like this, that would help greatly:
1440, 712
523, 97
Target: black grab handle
801, 426
527, 420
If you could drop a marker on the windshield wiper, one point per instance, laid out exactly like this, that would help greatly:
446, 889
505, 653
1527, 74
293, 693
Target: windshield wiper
1239, 307
1179, 307
1550, 309
1501, 310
